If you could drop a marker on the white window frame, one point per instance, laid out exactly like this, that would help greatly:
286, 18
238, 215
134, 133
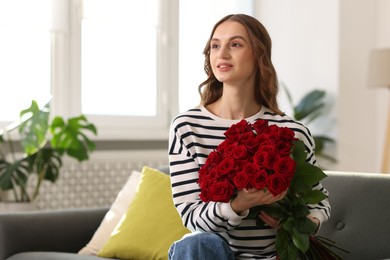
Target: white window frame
66, 72
66, 80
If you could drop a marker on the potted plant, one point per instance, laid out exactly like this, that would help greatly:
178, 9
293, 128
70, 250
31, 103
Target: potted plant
309, 108
43, 144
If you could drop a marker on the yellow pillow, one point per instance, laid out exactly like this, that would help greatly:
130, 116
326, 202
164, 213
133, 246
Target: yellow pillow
151, 223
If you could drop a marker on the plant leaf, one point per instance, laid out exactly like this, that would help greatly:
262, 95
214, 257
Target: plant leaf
48, 161
12, 174
33, 127
314, 196
70, 137
309, 173
299, 152
305, 225
300, 240
312, 101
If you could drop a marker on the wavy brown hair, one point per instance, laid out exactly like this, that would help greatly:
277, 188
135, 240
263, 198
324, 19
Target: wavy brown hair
266, 89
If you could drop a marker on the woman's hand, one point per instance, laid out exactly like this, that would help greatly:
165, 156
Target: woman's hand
270, 221
274, 223
249, 198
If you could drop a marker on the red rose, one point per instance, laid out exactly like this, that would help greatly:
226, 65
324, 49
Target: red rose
260, 125
283, 148
285, 166
242, 126
260, 158
241, 180
286, 134
214, 157
263, 137
205, 195
251, 169
259, 181
245, 136
266, 159
225, 166
239, 165
270, 159
273, 130
277, 183
221, 191
206, 177
251, 144
239, 152
235, 131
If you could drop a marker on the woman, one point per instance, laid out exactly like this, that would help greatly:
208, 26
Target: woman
241, 84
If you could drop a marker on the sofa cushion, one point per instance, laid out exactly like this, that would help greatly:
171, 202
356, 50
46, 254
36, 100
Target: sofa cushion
150, 225
360, 214
113, 216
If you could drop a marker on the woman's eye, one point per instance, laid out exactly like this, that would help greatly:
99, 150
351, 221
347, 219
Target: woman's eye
214, 46
236, 44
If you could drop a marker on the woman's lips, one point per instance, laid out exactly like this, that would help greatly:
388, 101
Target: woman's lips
224, 67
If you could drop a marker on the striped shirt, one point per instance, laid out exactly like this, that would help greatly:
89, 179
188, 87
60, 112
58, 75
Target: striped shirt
193, 135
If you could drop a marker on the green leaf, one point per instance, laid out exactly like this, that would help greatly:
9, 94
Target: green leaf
288, 225
12, 174
309, 174
70, 137
281, 239
288, 252
299, 186
299, 152
300, 210
313, 101
33, 127
314, 196
300, 240
47, 162
305, 225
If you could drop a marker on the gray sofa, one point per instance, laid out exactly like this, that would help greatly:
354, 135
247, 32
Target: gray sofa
359, 223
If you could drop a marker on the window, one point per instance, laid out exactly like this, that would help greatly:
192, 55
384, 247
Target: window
123, 52
117, 61
25, 56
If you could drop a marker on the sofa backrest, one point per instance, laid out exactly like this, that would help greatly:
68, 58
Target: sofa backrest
360, 214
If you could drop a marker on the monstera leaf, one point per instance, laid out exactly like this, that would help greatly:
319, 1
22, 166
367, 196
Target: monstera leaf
42, 152
15, 174
34, 127
309, 108
71, 138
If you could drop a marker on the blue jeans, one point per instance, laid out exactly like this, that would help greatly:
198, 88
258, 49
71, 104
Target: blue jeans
200, 246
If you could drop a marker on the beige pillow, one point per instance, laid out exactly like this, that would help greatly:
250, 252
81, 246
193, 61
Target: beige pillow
151, 223
113, 216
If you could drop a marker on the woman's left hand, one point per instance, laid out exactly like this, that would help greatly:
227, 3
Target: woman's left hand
274, 223
270, 221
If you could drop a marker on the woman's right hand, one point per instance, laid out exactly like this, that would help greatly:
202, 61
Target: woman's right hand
249, 198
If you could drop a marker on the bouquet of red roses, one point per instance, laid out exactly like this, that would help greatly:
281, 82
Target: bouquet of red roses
264, 156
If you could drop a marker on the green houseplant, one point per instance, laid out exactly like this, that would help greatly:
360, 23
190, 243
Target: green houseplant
310, 107
44, 142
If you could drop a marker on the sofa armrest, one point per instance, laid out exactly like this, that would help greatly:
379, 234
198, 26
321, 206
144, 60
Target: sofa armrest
57, 230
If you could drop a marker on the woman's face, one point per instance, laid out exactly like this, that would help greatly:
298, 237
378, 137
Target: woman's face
231, 54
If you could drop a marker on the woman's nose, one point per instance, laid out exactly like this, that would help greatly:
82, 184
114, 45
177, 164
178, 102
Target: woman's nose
224, 52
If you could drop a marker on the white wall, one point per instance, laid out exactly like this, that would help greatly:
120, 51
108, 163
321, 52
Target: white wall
305, 53
362, 110
326, 44
383, 94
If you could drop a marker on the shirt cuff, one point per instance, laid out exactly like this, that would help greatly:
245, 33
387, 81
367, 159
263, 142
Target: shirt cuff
318, 215
228, 213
